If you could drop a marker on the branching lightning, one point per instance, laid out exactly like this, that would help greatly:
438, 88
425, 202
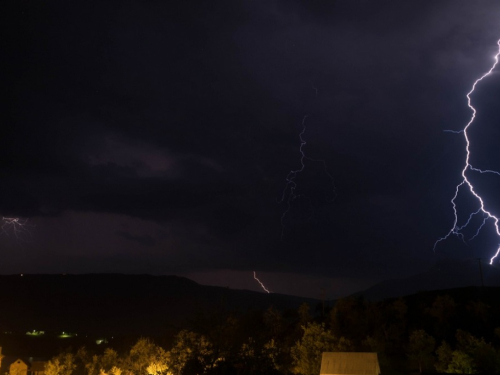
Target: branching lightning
289, 192
466, 183
260, 282
15, 226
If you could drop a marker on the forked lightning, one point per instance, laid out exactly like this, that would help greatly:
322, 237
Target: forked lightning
466, 183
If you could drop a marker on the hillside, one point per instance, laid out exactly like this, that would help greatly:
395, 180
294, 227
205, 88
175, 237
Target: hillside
114, 304
447, 274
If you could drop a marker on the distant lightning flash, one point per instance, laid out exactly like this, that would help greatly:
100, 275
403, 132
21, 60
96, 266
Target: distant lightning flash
14, 225
260, 282
289, 192
466, 183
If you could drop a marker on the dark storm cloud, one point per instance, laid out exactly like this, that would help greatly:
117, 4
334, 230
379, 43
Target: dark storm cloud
144, 240
188, 115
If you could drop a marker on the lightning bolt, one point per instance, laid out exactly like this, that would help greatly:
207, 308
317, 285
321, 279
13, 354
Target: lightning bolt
260, 282
466, 183
289, 192
15, 226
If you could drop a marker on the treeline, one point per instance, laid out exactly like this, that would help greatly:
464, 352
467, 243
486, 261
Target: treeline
453, 332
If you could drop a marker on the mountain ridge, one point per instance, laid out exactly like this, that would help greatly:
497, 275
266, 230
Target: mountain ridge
445, 274
119, 304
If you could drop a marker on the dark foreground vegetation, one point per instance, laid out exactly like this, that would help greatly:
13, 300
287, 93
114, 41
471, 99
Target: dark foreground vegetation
453, 331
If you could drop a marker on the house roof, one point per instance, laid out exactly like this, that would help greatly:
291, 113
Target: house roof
21, 360
351, 363
34, 364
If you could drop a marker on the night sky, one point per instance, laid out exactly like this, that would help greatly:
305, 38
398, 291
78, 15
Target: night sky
156, 137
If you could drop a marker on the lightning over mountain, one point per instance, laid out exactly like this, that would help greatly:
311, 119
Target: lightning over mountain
260, 282
466, 185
